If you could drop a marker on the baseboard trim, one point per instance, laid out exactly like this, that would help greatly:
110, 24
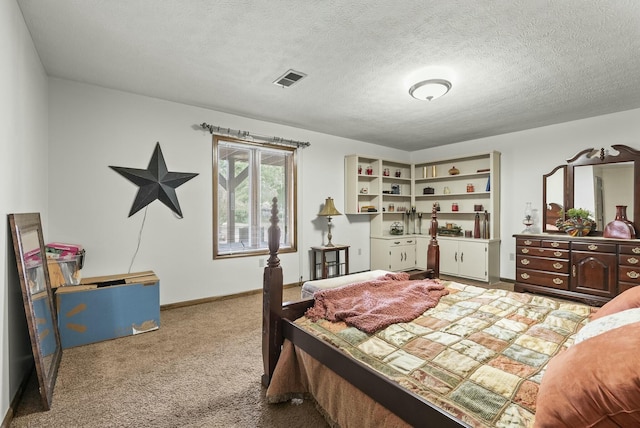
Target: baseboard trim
217, 298
11, 411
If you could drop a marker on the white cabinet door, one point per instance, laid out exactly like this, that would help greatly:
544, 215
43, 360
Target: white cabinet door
403, 255
448, 256
473, 260
464, 258
422, 246
395, 254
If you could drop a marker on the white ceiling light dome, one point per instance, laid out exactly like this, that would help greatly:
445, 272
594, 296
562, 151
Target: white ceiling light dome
430, 89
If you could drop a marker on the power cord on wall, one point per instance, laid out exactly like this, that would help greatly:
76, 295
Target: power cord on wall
139, 238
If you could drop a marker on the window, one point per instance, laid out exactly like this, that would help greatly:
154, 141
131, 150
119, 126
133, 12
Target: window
246, 178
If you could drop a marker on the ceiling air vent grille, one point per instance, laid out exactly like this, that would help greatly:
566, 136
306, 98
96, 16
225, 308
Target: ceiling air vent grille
289, 78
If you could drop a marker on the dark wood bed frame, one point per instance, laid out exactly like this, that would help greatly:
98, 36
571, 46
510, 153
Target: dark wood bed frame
277, 324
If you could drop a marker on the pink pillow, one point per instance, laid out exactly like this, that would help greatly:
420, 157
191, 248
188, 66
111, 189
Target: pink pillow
594, 383
629, 299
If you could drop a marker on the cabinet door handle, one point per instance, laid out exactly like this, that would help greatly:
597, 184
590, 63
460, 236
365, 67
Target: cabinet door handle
461, 257
524, 275
632, 260
593, 247
633, 274
525, 261
557, 265
555, 244
557, 281
573, 270
525, 251
455, 256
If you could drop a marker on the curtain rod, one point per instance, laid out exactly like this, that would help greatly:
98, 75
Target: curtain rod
213, 129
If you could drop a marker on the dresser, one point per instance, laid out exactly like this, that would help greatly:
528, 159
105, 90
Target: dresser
589, 269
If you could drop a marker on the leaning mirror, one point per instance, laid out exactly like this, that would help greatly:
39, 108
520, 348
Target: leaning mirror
28, 244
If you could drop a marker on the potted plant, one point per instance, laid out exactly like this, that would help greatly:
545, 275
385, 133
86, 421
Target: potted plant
577, 222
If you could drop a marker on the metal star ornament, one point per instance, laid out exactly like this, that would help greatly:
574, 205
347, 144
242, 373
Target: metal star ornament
155, 182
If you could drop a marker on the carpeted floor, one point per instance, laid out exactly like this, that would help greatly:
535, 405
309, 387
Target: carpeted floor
202, 368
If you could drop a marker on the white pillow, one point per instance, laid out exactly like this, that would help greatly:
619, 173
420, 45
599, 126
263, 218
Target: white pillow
606, 323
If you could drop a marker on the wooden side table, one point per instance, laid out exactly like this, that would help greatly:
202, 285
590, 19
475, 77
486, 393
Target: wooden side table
333, 266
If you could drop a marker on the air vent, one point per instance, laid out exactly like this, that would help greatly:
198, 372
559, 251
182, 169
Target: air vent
289, 78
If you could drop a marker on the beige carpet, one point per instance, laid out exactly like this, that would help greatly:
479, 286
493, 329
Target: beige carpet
202, 368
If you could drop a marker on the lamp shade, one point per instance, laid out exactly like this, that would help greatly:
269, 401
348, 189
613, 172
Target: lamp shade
329, 209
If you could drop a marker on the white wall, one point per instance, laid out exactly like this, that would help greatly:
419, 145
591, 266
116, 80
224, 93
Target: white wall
527, 155
23, 174
92, 128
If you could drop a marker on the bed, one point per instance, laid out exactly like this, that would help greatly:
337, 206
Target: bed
477, 358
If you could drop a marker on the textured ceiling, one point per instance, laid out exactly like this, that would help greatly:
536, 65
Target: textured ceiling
514, 65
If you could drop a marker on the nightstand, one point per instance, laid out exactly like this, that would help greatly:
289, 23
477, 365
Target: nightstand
327, 261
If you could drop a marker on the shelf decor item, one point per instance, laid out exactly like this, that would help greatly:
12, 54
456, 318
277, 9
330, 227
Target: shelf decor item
620, 227
329, 210
396, 228
528, 218
450, 230
577, 223
454, 171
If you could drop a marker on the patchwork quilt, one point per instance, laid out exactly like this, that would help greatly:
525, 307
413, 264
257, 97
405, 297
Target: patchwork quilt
480, 354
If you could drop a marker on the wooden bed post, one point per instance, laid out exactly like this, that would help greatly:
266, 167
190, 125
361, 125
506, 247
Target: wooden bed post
433, 251
272, 301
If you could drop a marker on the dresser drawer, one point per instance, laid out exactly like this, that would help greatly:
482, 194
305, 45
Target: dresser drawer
525, 242
624, 286
629, 274
594, 246
629, 260
546, 264
543, 252
545, 279
630, 249
558, 245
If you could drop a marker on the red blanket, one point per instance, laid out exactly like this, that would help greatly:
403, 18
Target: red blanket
373, 305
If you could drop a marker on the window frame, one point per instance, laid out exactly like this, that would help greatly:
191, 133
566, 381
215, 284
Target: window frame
293, 195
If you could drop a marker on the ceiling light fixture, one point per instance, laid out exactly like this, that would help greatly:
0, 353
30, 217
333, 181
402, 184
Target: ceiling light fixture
429, 90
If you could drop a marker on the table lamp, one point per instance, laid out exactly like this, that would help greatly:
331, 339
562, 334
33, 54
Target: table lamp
328, 211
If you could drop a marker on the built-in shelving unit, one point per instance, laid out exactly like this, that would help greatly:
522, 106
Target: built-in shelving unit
389, 190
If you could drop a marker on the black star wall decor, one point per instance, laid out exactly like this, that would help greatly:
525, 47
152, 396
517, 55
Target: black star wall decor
155, 182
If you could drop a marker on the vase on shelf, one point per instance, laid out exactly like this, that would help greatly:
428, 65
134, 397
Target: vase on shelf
476, 226
620, 227
454, 171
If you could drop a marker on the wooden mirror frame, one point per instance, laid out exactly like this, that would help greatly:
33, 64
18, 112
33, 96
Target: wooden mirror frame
596, 157
38, 304
546, 203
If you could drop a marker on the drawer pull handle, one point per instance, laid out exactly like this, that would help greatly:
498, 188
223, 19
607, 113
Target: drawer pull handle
527, 242
557, 265
557, 253
593, 247
524, 261
633, 274
636, 250
409, 242
524, 275
525, 251
555, 244
632, 260
557, 281
396, 242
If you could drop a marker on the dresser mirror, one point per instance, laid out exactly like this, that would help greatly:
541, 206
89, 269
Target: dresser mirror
597, 180
28, 245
